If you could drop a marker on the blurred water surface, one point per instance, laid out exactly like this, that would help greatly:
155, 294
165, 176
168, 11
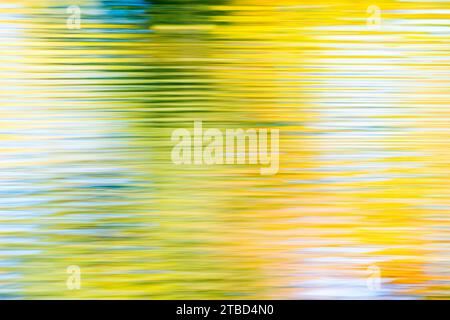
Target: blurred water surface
86, 176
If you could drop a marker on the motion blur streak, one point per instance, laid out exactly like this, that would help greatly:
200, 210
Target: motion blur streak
86, 178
